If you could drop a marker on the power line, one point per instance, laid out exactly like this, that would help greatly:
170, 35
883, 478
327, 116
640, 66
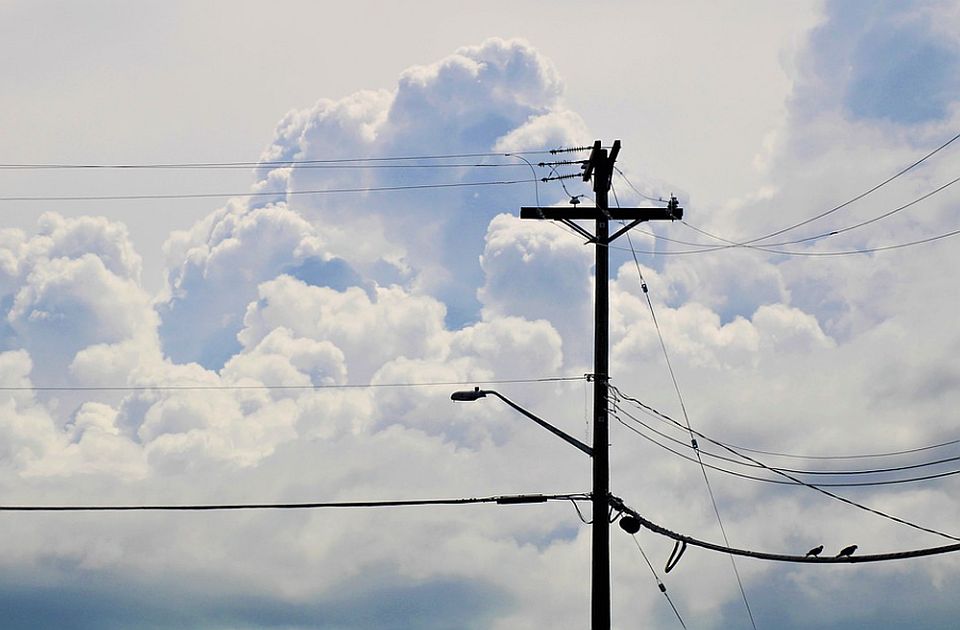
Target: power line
861, 195
509, 499
660, 584
815, 487
862, 471
850, 484
297, 165
847, 252
139, 388
287, 193
839, 457
676, 387
277, 163
780, 557
748, 243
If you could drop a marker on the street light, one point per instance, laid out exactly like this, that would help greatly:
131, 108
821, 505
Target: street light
477, 393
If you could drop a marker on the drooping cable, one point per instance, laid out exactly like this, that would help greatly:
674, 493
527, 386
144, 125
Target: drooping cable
784, 482
781, 557
815, 487
739, 462
836, 208
811, 254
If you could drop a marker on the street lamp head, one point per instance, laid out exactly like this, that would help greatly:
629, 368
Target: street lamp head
468, 395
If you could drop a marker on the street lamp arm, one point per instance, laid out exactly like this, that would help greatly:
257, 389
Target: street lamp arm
543, 423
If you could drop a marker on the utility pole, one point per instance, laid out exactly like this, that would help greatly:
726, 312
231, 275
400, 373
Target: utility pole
600, 168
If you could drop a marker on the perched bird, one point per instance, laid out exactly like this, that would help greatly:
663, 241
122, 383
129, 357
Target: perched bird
815, 551
847, 551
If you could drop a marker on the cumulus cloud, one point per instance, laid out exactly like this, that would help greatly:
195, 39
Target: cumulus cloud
236, 383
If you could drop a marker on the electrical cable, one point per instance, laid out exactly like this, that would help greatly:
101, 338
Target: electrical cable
277, 163
861, 195
347, 165
815, 487
768, 247
138, 388
660, 584
287, 193
839, 457
847, 252
676, 386
859, 484
870, 471
703, 248
749, 553
208, 507
839, 206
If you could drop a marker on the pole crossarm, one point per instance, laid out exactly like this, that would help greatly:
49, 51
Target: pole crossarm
577, 213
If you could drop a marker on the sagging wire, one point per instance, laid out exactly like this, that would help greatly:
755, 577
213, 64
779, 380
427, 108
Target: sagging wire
693, 441
818, 488
580, 514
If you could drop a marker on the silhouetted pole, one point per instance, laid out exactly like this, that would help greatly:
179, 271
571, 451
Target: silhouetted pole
600, 168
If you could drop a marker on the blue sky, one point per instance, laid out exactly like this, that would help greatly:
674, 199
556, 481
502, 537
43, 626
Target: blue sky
756, 115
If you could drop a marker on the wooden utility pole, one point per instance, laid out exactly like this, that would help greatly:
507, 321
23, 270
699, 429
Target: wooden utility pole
600, 168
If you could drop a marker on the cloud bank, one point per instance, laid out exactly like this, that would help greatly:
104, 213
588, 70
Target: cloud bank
774, 352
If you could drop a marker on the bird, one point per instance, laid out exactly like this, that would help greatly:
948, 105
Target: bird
814, 552
847, 551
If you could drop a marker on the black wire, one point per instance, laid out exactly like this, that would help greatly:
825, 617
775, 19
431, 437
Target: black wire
139, 388
852, 484
287, 193
838, 457
767, 247
501, 499
847, 252
871, 471
676, 387
278, 163
837, 207
852, 559
660, 584
861, 195
297, 165
580, 514
817, 487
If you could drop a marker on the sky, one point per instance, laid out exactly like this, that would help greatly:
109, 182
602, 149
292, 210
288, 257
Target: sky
836, 336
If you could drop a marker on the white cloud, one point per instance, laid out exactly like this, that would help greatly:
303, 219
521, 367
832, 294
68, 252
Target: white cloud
854, 354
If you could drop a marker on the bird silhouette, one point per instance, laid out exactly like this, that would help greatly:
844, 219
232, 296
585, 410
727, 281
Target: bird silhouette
847, 551
815, 551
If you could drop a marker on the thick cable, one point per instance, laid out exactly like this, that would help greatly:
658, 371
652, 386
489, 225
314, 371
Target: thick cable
781, 557
209, 507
